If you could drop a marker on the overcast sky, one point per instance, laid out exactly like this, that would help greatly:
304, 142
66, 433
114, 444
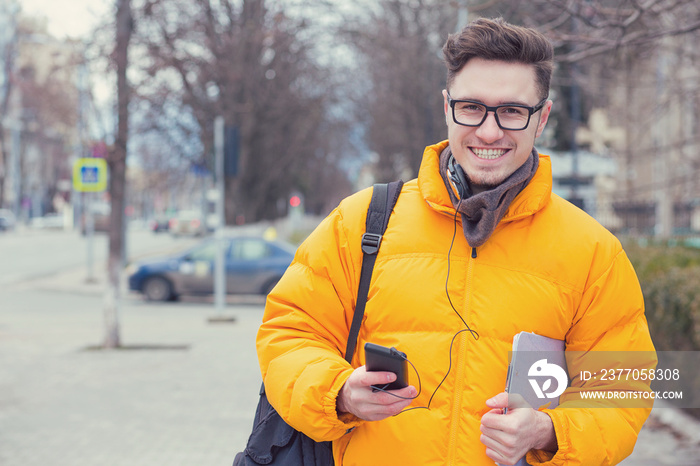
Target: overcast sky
68, 18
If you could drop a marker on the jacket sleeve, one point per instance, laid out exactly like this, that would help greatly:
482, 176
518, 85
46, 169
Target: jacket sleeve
609, 330
301, 342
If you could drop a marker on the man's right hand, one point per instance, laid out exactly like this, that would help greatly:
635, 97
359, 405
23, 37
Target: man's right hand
358, 398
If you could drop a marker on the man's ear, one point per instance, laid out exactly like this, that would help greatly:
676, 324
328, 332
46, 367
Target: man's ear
446, 106
544, 116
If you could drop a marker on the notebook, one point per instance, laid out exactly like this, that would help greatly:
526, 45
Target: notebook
537, 372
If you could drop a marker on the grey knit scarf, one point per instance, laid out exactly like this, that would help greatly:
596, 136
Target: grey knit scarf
481, 212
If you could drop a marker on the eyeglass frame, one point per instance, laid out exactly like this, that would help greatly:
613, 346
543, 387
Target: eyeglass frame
531, 110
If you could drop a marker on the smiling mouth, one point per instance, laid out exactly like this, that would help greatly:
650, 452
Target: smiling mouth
488, 154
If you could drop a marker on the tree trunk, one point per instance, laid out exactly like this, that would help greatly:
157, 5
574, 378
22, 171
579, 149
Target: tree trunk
117, 162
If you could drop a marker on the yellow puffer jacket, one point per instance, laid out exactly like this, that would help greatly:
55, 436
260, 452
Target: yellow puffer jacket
548, 268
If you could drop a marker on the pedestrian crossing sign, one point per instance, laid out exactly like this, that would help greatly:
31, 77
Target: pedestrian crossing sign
90, 175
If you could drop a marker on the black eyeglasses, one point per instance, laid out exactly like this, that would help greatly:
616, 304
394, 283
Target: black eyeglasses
511, 117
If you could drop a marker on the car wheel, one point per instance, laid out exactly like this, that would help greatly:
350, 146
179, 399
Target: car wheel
158, 289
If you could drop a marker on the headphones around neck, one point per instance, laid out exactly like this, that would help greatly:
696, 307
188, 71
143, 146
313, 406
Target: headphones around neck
457, 178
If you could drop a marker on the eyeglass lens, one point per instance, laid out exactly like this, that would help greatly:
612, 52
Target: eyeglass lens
473, 114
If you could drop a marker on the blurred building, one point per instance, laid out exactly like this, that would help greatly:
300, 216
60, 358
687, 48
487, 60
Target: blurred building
40, 116
591, 186
650, 126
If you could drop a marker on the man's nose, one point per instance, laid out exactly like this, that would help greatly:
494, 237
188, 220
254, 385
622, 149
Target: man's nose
489, 131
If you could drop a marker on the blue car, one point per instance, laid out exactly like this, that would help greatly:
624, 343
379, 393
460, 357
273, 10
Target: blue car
253, 266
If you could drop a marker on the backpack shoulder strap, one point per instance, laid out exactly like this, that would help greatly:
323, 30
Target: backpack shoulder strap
384, 197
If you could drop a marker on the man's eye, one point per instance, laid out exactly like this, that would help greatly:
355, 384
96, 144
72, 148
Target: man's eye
466, 107
512, 111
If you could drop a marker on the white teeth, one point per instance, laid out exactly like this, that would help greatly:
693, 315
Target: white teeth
488, 154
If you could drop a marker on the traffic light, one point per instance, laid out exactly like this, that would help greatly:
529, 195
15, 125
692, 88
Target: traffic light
295, 201
232, 143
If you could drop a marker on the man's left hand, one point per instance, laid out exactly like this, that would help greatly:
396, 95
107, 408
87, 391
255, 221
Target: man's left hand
508, 437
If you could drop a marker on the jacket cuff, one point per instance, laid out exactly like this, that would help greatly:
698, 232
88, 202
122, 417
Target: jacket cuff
560, 457
342, 423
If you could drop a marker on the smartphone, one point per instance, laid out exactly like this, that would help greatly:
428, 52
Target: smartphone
382, 359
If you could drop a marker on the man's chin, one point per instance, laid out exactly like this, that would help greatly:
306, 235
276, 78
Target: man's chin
482, 185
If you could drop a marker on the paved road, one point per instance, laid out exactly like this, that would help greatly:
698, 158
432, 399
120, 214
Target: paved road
183, 394
29, 253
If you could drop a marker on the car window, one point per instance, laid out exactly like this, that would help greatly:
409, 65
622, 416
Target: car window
206, 252
249, 249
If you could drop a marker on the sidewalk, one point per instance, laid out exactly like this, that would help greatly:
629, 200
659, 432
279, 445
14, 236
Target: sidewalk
183, 394
669, 437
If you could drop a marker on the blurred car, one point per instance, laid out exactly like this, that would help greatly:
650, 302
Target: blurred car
253, 266
159, 224
7, 220
53, 221
187, 223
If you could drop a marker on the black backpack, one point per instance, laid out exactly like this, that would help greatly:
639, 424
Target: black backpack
273, 441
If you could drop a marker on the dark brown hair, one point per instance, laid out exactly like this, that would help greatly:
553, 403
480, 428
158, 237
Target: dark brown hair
494, 39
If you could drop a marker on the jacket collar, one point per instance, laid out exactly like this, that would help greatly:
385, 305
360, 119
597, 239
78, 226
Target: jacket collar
530, 200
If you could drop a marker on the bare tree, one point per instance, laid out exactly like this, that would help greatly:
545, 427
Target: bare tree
8, 46
256, 66
398, 45
398, 50
252, 65
8, 53
117, 166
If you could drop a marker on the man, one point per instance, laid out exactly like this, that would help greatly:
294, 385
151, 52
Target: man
477, 250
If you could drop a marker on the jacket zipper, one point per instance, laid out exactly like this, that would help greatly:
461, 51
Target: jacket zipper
459, 377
